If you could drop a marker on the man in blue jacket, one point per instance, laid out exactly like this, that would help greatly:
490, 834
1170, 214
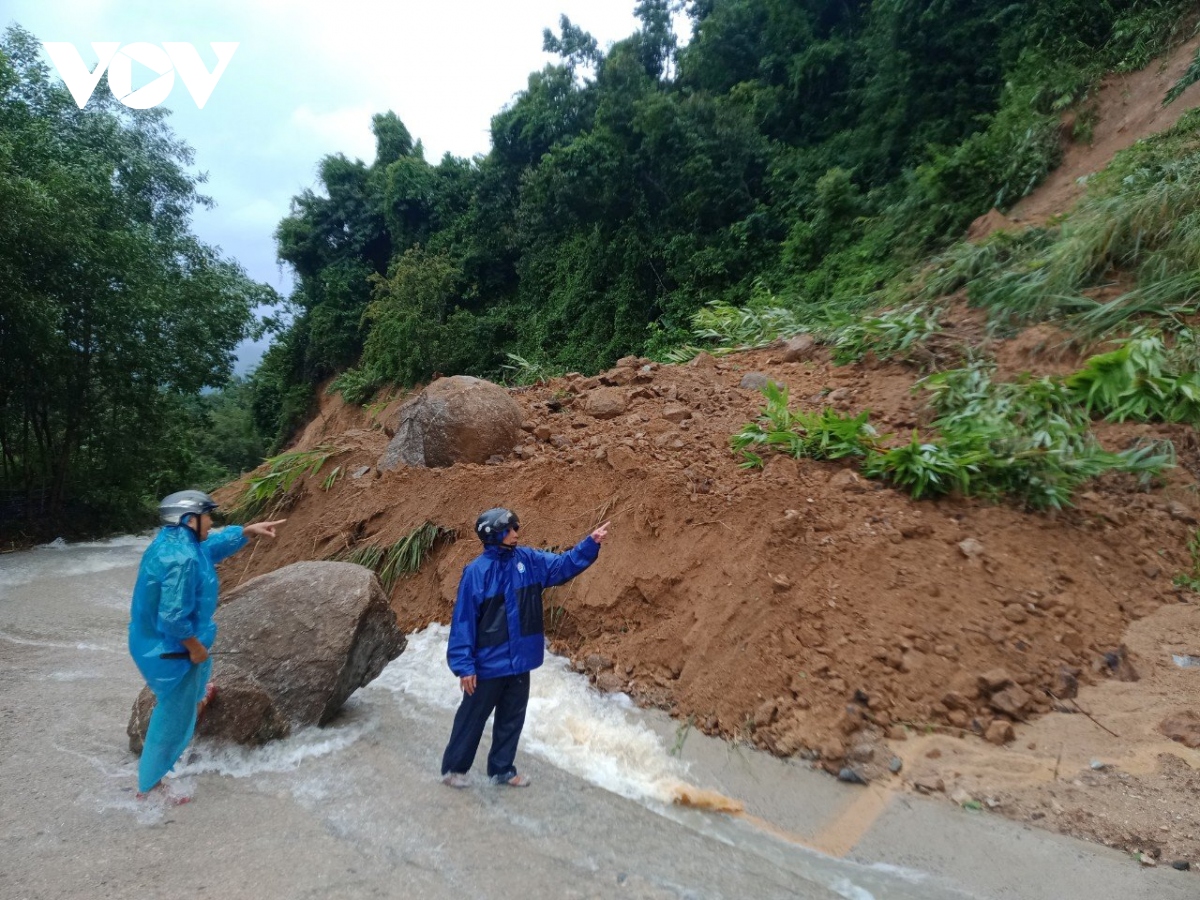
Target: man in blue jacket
171, 625
497, 639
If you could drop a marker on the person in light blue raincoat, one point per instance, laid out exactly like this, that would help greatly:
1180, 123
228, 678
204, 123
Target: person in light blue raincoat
171, 627
497, 638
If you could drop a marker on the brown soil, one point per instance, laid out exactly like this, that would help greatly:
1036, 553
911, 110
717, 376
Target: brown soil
801, 607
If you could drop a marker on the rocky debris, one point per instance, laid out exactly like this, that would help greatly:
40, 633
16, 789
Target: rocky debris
851, 775
1183, 727
606, 403
296, 643
360, 471
703, 361
799, 348
455, 420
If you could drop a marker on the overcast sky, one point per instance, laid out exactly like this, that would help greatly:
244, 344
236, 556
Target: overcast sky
307, 77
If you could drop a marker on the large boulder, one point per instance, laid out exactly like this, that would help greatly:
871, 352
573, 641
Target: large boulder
458, 419
292, 646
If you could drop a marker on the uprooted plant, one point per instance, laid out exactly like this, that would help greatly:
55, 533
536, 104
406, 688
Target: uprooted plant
390, 562
265, 491
823, 435
1027, 440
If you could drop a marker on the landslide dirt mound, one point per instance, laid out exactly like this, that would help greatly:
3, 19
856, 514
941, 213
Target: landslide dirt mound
801, 607
1126, 108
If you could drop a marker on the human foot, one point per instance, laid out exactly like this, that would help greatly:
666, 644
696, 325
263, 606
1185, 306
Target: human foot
514, 780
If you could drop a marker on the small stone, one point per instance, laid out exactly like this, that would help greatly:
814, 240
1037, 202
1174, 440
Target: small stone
970, 548
929, 784
676, 412
780, 583
851, 776
1011, 701
897, 733
610, 682
1181, 865
360, 471
1183, 727
703, 361
999, 733
1098, 766
1146, 859
848, 481
1181, 513
799, 348
755, 381
994, 680
542, 432
833, 749
961, 797
1015, 614
605, 403
895, 765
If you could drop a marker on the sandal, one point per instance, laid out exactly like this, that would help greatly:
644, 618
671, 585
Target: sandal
210, 694
513, 780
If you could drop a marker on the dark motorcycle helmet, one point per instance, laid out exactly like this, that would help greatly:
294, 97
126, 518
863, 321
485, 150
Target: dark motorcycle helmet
492, 525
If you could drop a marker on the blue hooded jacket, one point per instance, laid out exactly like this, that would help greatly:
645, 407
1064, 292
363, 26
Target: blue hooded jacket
175, 598
497, 627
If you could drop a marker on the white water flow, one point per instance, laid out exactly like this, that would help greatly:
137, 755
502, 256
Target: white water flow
593, 736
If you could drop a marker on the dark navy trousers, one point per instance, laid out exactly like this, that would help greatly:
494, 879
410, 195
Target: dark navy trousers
507, 696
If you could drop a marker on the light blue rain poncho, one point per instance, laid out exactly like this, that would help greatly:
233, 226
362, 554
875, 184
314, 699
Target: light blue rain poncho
174, 599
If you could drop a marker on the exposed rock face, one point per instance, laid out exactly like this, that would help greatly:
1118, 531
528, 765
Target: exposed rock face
457, 419
293, 645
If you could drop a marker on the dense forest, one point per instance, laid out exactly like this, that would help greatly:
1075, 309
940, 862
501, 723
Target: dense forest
797, 156
114, 317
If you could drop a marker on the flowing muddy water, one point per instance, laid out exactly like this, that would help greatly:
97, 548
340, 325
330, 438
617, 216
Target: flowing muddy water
356, 809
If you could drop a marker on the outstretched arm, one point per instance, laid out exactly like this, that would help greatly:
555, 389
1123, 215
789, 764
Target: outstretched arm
562, 567
223, 544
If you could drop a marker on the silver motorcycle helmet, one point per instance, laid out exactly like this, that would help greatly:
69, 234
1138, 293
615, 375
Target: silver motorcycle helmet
175, 508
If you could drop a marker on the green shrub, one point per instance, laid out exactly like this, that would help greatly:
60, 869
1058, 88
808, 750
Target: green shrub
1143, 379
